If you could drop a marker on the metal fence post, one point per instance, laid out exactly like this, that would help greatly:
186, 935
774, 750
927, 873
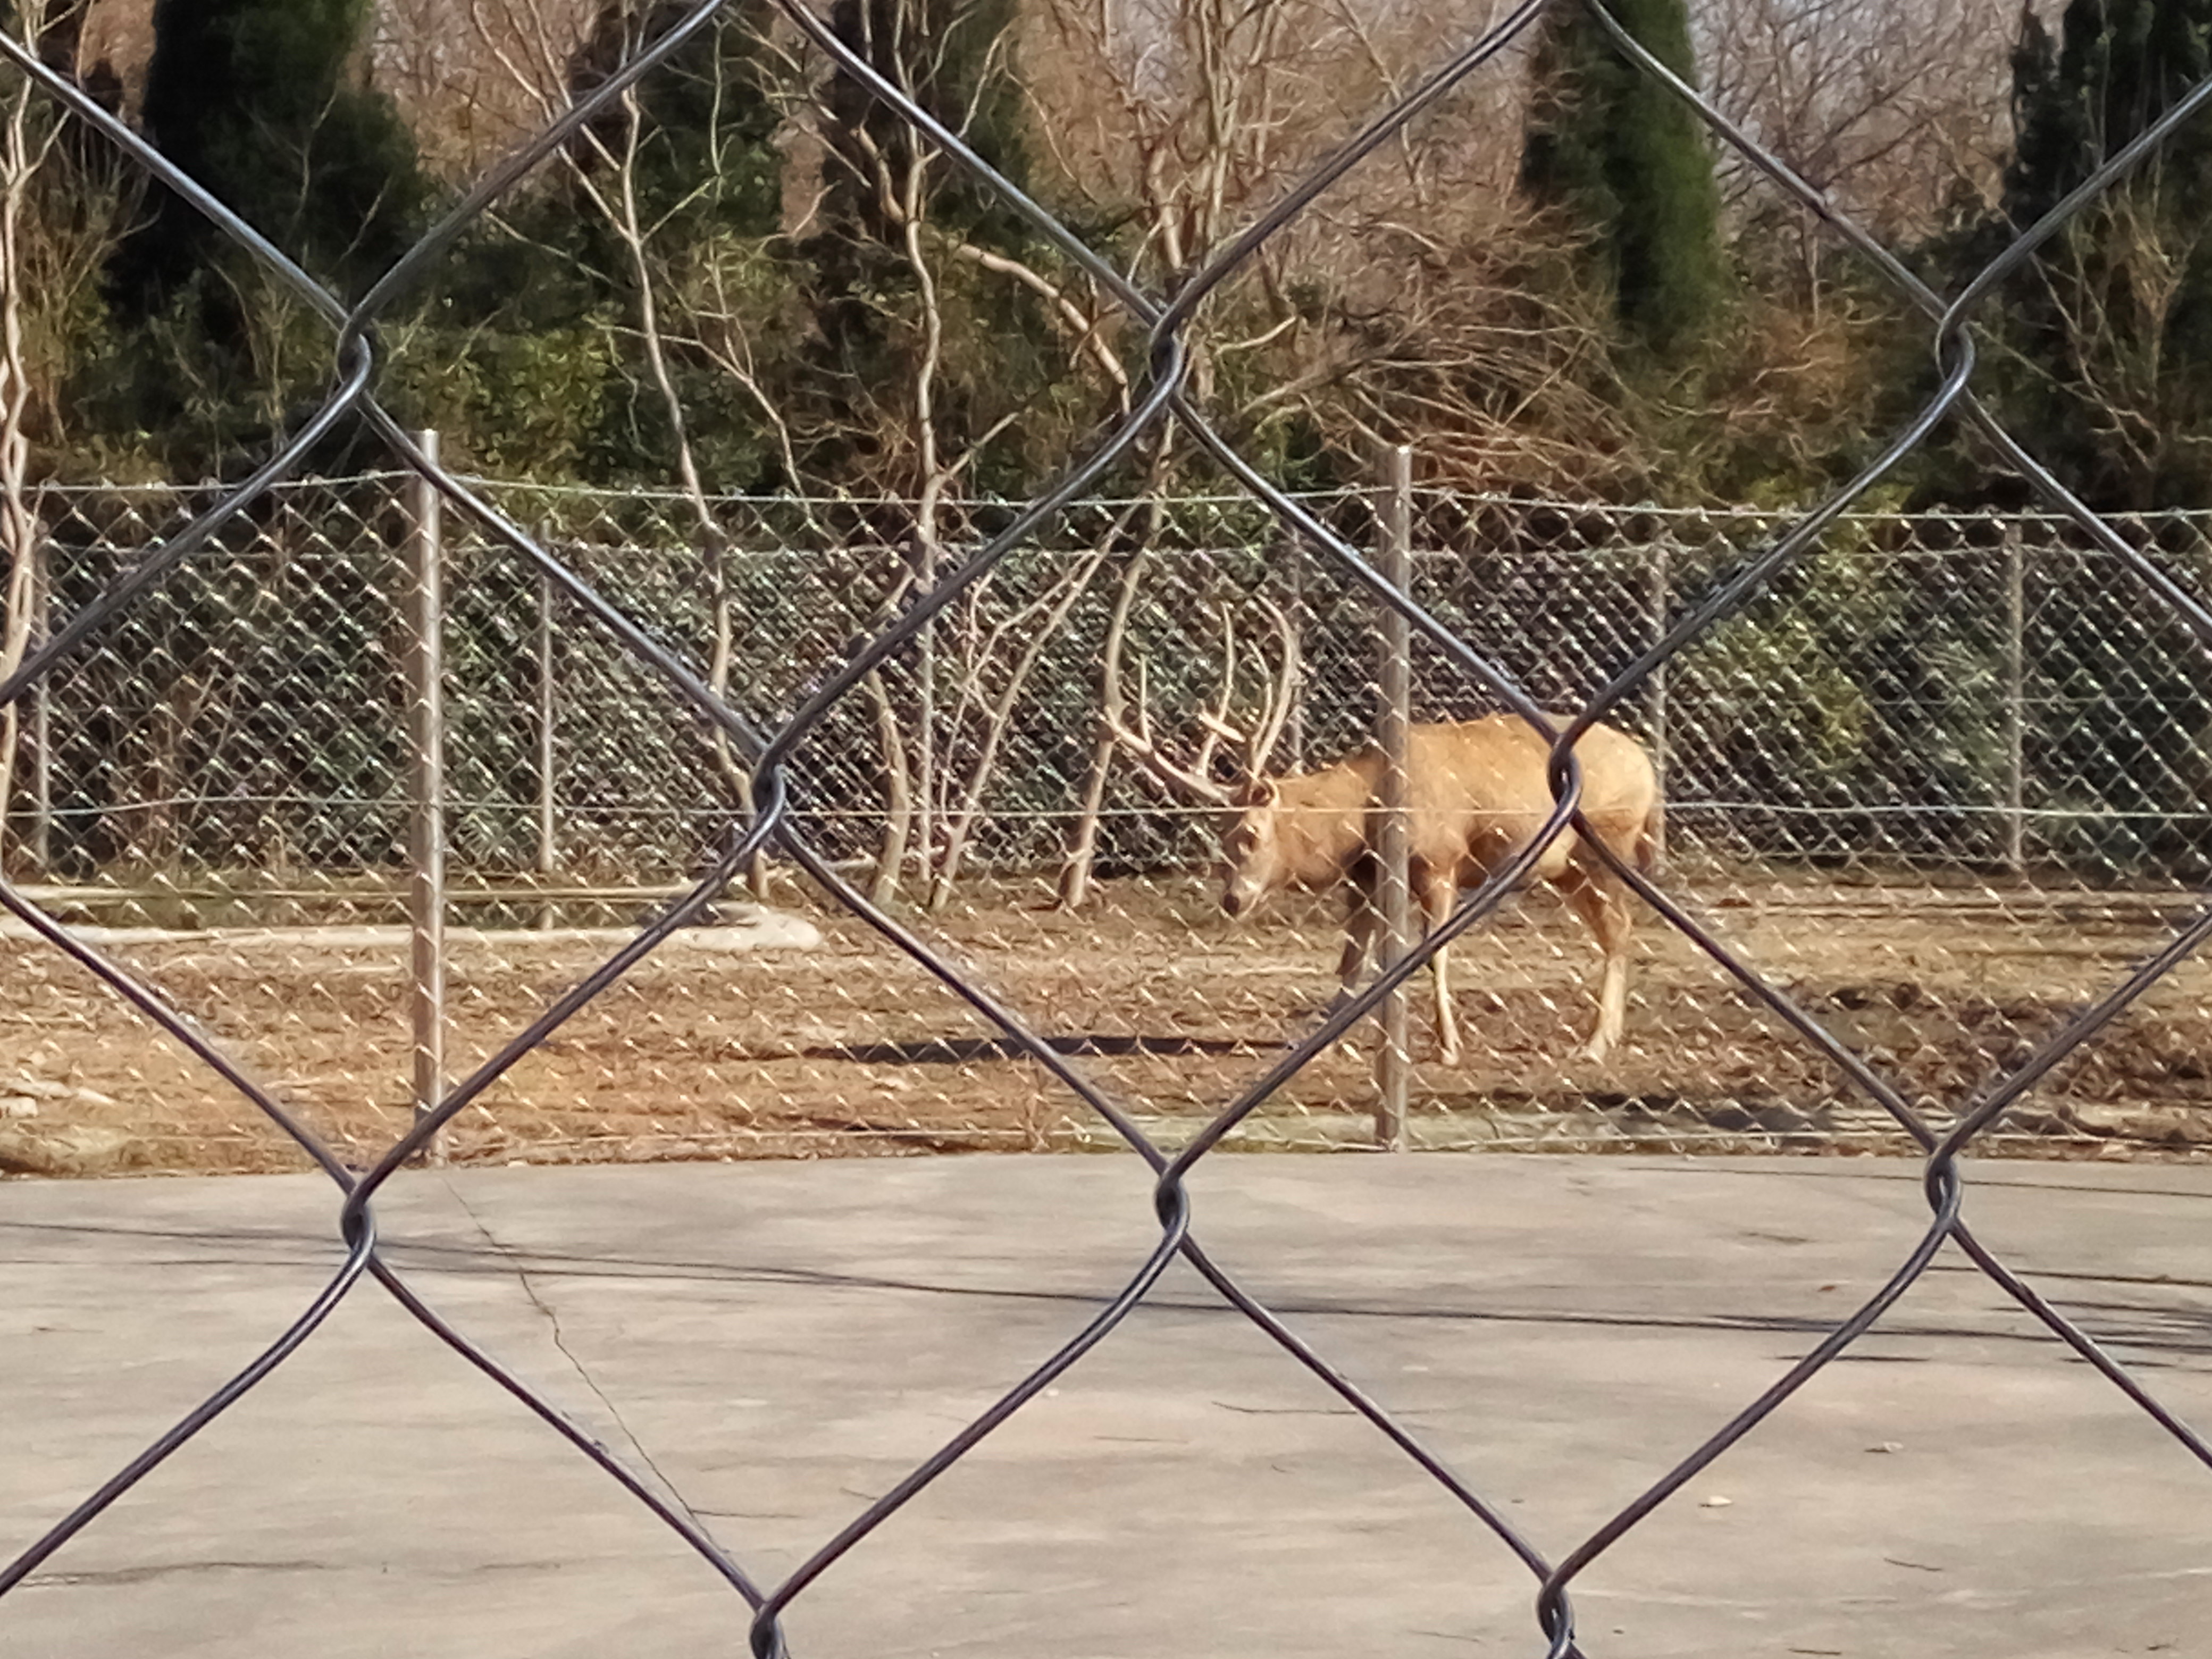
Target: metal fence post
2016, 698
549, 855
1294, 731
1662, 600
923, 844
425, 811
1393, 895
42, 717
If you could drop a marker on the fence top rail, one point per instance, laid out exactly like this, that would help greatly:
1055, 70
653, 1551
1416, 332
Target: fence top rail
1197, 500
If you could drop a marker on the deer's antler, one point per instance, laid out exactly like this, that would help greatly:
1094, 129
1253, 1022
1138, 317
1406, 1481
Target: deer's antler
1282, 696
1196, 779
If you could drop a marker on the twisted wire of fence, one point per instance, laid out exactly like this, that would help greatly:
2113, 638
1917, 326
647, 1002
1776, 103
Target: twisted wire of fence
778, 749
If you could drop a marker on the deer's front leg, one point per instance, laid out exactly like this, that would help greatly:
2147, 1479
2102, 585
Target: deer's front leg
1603, 903
1437, 907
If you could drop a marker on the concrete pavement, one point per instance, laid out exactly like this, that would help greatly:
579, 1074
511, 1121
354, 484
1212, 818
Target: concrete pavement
783, 1341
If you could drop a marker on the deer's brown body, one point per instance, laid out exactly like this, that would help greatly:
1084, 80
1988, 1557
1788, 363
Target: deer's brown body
1476, 795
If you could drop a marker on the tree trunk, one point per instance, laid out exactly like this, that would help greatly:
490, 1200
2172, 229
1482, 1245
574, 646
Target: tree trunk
898, 790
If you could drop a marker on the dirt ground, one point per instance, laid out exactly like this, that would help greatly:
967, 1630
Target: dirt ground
851, 1048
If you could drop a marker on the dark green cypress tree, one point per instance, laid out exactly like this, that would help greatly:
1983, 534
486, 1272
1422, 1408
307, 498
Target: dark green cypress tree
1627, 163
706, 158
2118, 65
2108, 381
708, 179
2115, 313
259, 102
952, 57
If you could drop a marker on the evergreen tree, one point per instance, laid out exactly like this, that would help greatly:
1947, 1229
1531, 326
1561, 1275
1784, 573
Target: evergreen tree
2108, 381
2114, 315
952, 57
696, 140
706, 160
2121, 64
260, 101
1628, 163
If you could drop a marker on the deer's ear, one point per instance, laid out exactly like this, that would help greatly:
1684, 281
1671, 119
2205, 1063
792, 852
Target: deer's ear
1256, 791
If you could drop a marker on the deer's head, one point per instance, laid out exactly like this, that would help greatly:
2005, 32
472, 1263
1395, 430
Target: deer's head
1251, 851
1246, 807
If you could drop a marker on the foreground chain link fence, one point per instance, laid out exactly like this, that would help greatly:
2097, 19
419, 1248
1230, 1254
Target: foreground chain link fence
216, 720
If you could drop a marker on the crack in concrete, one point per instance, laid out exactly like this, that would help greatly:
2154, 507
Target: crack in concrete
515, 1260
119, 1575
171, 1569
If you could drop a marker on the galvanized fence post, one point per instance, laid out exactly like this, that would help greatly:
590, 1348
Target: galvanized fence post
1662, 599
1393, 894
42, 846
2015, 715
549, 849
425, 628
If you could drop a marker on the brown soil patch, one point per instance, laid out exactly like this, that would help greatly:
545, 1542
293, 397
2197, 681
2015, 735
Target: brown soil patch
854, 1048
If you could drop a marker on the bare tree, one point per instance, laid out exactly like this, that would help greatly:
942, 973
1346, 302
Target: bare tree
474, 77
719, 300
64, 203
914, 261
1419, 304
1081, 859
1178, 120
538, 46
1897, 112
2115, 283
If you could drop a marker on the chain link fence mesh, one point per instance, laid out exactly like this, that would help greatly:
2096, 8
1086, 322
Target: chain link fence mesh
1960, 694
1930, 779
1931, 763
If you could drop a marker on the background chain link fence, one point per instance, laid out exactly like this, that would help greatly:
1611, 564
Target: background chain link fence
2031, 784
1961, 695
1936, 760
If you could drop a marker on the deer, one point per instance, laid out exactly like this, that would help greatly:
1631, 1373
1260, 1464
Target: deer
1476, 795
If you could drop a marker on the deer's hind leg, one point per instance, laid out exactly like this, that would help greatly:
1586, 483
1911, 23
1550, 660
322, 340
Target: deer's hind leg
1602, 901
1362, 929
